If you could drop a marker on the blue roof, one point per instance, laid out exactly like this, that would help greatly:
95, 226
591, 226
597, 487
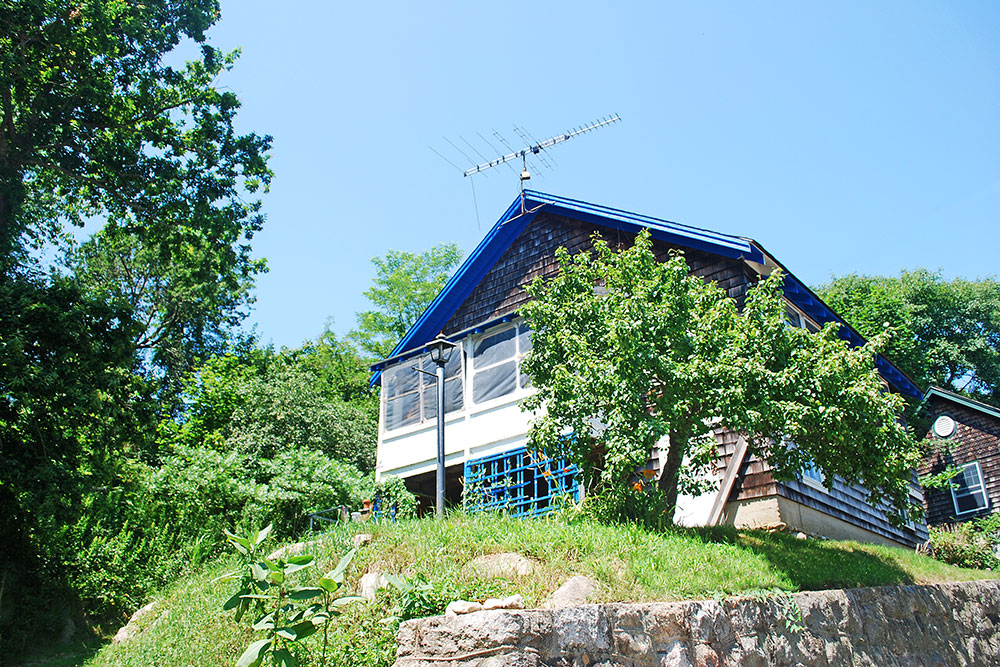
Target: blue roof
513, 222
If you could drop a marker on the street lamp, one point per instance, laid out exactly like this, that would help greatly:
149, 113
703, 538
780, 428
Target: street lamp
440, 350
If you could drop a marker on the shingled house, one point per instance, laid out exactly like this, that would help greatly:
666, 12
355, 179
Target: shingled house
486, 429
966, 434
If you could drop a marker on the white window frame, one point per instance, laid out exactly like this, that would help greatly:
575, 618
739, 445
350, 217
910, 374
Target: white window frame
812, 481
803, 319
979, 488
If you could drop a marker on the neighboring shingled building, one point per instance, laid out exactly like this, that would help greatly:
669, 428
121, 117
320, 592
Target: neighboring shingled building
966, 434
486, 429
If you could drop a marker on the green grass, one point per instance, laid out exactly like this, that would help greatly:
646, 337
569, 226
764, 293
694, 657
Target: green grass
629, 563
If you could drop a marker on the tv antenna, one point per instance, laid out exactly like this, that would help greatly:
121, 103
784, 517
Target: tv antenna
534, 149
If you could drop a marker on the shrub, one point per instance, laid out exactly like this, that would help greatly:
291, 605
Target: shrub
970, 544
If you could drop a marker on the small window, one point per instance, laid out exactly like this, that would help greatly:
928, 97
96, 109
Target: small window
813, 475
968, 491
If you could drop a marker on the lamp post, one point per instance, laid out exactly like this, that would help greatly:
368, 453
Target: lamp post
440, 350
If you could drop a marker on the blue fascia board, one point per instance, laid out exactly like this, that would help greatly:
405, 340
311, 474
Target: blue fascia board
695, 238
464, 280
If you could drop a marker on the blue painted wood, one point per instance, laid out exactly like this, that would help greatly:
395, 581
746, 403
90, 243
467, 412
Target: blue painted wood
519, 482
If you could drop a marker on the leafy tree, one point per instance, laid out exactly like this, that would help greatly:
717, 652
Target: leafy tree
628, 350
95, 122
405, 283
947, 333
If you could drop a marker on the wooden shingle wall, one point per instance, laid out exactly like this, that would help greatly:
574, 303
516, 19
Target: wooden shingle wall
532, 254
976, 438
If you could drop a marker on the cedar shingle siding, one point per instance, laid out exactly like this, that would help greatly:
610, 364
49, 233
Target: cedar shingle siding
976, 438
501, 292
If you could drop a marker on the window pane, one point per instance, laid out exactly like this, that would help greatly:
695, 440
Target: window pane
430, 367
454, 366
524, 338
810, 327
400, 379
494, 382
453, 395
452, 398
495, 347
970, 502
791, 316
969, 479
402, 411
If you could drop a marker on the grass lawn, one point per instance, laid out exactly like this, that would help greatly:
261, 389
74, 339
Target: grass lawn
629, 563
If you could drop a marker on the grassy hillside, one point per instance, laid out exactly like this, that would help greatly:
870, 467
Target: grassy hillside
630, 564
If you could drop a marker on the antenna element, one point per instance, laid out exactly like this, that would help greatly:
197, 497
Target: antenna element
539, 147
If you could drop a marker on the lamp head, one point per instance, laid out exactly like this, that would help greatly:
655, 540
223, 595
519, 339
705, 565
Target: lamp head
440, 350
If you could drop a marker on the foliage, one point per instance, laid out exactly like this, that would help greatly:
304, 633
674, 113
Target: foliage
266, 404
95, 122
404, 285
946, 333
284, 611
972, 544
395, 499
417, 598
629, 351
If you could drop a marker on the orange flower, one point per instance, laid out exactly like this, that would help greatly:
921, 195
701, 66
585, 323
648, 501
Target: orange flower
637, 486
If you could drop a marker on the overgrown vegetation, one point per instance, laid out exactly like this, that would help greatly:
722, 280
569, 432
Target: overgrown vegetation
630, 563
974, 543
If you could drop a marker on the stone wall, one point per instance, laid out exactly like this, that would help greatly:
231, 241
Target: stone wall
945, 624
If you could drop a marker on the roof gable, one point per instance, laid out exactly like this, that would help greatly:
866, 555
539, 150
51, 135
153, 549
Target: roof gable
519, 215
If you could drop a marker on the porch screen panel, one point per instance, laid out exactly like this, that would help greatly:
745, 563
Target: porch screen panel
402, 396
453, 394
495, 365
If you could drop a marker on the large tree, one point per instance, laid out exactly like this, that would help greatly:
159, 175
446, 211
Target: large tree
101, 122
405, 283
946, 332
628, 350
97, 122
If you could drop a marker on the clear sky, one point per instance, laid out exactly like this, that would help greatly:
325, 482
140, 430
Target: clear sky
844, 137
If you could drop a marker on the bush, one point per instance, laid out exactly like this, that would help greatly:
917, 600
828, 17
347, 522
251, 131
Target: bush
971, 544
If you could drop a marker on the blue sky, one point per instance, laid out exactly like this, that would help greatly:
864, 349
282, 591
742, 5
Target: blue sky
845, 137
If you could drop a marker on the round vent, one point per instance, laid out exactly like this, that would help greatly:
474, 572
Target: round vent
944, 426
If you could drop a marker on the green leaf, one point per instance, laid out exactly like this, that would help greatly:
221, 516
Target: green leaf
304, 593
347, 599
284, 658
265, 622
338, 572
229, 576
257, 596
329, 585
242, 544
297, 631
242, 609
262, 535
254, 653
296, 563
396, 582
234, 601
258, 571
276, 577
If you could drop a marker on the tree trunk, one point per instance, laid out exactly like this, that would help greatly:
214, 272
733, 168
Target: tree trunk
672, 470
